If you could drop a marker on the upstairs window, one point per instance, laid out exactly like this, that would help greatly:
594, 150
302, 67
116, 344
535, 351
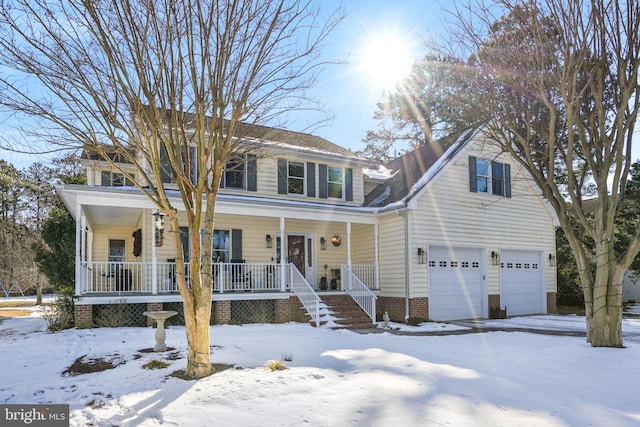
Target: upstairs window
295, 178
240, 173
335, 182
489, 177
114, 179
234, 174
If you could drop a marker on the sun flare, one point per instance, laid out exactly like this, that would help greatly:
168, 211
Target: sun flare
386, 59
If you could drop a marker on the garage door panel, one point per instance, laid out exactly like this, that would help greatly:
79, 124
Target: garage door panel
522, 282
455, 283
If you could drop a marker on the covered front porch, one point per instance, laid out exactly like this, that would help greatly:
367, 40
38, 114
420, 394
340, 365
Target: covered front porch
152, 278
262, 248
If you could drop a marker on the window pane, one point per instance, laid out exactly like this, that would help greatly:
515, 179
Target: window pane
296, 186
296, 178
117, 179
221, 246
117, 250
335, 174
497, 179
234, 174
335, 191
482, 184
482, 167
296, 169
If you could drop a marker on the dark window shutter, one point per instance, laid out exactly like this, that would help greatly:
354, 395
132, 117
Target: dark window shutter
348, 178
322, 184
106, 179
473, 179
311, 179
184, 236
252, 173
236, 244
193, 164
282, 176
507, 180
165, 170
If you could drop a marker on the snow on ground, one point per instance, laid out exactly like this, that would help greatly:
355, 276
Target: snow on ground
496, 378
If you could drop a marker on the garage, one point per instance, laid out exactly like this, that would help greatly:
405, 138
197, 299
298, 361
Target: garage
521, 282
456, 285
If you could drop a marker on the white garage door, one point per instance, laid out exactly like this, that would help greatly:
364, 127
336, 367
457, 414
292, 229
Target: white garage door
521, 282
455, 284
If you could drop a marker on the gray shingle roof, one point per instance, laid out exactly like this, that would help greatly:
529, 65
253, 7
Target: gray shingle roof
412, 166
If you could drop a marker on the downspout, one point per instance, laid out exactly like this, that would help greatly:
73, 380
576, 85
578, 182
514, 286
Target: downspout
406, 264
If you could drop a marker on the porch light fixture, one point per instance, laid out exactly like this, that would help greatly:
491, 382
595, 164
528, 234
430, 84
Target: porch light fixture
323, 243
336, 241
421, 255
552, 260
269, 241
495, 257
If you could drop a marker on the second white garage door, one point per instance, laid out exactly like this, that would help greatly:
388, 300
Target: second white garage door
521, 282
456, 289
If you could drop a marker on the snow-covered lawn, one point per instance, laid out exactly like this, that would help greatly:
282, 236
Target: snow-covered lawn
335, 378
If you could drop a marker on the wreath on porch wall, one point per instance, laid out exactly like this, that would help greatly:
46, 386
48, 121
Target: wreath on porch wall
137, 242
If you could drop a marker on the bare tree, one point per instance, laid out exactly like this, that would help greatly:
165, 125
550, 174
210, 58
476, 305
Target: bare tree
162, 84
555, 84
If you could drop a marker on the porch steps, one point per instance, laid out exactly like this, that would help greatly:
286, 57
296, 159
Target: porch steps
346, 312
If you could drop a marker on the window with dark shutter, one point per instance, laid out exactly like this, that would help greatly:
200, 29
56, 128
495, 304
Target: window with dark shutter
282, 176
311, 179
489, 177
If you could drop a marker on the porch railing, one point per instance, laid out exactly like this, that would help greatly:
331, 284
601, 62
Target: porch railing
305, 293
137, 277
367, 274
360, 293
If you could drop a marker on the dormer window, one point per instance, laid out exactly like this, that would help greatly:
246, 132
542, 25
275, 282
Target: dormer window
489, 177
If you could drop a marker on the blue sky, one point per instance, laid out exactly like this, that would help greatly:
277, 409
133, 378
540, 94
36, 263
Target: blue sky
349, 93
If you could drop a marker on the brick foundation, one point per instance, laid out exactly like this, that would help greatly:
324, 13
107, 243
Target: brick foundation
282, 310
495, 310
418, 307
153, 306
552, 306
83, 316
221, 312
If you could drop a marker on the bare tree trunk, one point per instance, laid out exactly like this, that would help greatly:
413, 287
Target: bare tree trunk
604, 310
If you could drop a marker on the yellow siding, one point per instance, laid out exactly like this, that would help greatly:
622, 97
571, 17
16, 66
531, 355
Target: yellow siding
392, 256
450, 214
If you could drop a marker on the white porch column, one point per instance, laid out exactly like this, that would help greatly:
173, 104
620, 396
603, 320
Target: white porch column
78, 274
154, 266
375, 261
283, 260
349, 245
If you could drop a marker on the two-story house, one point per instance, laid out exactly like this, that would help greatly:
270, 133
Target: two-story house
453, 230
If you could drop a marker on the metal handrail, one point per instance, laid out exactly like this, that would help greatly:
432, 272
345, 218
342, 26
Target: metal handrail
360, 293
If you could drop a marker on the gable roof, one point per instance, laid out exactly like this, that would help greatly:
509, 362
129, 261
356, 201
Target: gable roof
263, 134
416, 168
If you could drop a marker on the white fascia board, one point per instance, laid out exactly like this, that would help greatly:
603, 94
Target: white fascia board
225, 204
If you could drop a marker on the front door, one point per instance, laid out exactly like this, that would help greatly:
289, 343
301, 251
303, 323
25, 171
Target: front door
296, 252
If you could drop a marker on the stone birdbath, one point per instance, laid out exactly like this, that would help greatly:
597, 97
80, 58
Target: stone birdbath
160, 316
